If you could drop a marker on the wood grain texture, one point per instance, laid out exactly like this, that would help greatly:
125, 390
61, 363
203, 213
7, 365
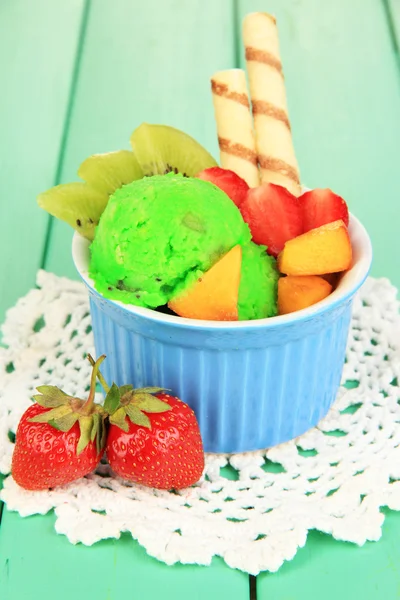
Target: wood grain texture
150, 62
37, 52
344, 103
326, 568
110, 570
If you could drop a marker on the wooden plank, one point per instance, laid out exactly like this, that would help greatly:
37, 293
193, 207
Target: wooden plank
37, 52
35, 83
142, 61
45, 565
328, 569
344, 101
156, 69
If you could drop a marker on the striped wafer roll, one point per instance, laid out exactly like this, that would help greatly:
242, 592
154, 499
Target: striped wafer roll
274, 143
234, 124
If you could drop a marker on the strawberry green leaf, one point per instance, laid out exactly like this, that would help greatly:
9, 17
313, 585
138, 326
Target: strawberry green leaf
50, 390
112, 400
150, 390
95, 427
119, 419
125, 388
150, 403
64, 423
47, 402
85, 425
52, 415
51, 396
98, 442
137, 416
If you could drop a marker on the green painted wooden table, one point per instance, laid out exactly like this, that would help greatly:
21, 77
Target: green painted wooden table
77, 77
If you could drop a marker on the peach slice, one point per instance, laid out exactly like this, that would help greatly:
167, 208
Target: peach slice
214, 296
325, 249
299, 291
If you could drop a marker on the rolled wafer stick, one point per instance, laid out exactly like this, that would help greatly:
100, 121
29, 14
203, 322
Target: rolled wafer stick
273, 136
234, 124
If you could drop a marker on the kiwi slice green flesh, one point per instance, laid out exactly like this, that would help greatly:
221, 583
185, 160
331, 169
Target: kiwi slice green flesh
108, 172
77, 204
161, 149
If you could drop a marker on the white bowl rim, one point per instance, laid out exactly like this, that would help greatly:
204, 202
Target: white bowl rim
349, 283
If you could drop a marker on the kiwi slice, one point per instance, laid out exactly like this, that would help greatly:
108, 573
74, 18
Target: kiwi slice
161, 149
108, 172
77, 204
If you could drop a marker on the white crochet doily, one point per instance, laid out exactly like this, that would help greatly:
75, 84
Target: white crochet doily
252, 509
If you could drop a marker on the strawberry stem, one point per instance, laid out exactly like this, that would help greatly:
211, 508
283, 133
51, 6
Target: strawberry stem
103, 382
88, 405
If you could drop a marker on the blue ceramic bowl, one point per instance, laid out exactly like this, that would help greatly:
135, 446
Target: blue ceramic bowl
252, 384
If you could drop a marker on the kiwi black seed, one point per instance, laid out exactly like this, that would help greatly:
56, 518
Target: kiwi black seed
78, 204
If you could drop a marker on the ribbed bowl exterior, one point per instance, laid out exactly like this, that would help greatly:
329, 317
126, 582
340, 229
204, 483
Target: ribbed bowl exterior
252, 384
251, 388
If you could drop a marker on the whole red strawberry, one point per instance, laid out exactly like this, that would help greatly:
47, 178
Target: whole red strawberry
59, 438
153, 439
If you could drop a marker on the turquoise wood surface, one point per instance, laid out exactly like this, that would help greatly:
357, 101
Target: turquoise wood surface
327, 569
31, 552
78, 77
37, 56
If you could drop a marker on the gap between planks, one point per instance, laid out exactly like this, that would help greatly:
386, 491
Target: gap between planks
68, 118
391, 23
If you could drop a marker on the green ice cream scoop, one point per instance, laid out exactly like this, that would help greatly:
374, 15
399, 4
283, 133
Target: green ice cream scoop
156, 232
258, 287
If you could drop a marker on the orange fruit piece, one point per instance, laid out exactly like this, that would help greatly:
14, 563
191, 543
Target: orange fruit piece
214, 296
325, 249
299, 291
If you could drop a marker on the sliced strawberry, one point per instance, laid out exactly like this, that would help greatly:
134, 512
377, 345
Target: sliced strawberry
234, 186
322, 206
273, 215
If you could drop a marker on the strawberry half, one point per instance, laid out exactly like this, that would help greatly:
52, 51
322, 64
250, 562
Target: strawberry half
153, 439
322, 206
59, 438
273, 215
234, 186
